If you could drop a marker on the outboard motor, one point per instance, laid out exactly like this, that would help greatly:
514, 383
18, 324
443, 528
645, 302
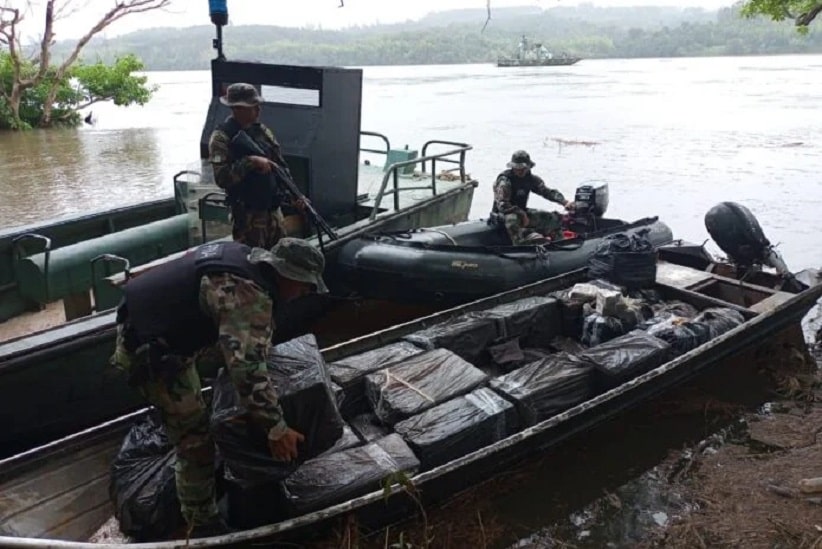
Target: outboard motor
591, 200
738, 233
590, 203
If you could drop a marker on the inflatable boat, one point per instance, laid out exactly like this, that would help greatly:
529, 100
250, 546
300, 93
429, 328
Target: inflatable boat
457, 263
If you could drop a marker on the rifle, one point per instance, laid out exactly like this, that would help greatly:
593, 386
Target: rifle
244, 142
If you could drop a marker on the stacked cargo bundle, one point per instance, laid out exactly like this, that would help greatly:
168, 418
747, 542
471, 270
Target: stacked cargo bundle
458, 427
349, 373
534, 320
419, 383
335, 478
468, 336
546, 387
626, 357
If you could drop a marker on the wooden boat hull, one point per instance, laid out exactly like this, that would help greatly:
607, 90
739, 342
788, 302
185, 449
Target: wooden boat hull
57, 509
561, 62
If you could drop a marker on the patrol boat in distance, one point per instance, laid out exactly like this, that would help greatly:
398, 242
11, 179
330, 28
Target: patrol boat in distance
535, 55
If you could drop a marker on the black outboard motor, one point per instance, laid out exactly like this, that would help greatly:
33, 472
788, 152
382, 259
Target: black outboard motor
738, 233
590, 203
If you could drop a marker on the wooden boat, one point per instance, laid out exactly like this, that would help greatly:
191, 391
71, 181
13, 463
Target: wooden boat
536, 55
57, 495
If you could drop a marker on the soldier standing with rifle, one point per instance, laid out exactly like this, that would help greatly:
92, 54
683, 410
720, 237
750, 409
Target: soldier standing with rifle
248, 179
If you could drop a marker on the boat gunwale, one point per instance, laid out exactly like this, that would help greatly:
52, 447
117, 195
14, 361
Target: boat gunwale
83, 336
558, 246
615, 400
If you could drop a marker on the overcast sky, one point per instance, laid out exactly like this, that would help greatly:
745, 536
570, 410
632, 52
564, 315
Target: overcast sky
299, 13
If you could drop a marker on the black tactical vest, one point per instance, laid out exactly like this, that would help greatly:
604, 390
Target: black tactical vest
164, 303
257, 191
520, 189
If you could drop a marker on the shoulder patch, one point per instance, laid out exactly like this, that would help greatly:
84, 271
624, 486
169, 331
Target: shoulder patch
209, 251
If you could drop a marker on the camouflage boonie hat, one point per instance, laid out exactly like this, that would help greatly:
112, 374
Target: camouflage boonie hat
294, 258
521, 159
241, 95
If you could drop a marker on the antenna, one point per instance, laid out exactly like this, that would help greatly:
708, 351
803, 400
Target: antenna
218, 10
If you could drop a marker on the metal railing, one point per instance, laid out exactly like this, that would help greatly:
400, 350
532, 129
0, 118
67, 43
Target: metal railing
377, 151
393, 172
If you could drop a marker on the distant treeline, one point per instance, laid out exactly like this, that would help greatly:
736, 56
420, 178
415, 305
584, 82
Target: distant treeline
457, 37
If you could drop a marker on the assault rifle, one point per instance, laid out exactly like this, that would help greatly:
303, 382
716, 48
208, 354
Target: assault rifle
244, 142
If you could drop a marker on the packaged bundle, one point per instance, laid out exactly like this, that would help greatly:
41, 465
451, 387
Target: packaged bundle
626, 357
535, 319
368, 427
458, 427
719, 320
297, 370
420, 382
467, 336
546, 387
338, 477
349, 373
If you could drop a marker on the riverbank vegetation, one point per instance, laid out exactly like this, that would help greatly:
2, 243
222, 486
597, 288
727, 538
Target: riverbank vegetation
457, 37
43, 88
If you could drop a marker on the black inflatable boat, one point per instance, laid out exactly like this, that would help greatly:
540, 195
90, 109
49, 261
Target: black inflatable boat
458, 263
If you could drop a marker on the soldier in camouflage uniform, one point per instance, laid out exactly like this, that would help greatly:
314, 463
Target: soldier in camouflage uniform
215, 300
511, 191
257, 218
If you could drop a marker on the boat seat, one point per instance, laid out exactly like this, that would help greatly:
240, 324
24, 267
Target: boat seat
54, 274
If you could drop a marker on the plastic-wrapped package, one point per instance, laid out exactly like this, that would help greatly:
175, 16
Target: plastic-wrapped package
535, 319
297, 370
349, 439
458, 427
339, 394
368, 427
349, 373
507, 354
681, 334
250, 504
598, 329
719, 320
628, 260
626, 357
467, 336
143, 488
420, 382
559, 343
572, 316
546, 387
338, 477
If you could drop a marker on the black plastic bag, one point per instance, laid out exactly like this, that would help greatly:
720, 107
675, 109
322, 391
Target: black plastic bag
629, 261
546, 387
467, 336
626, 357
598, 329
349, 372
143, 489
681, 334
719, 320
458, 427
298, 371
420, 382
335, 478
536, 319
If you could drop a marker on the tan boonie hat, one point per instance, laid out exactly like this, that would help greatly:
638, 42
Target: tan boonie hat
241, 95
294, 258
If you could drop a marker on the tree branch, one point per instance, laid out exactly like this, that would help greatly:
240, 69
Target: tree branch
487, 7
9, 19
804, 19
121, 9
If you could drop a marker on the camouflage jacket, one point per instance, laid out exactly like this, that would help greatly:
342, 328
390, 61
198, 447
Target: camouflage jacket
511, 194
230, 171
242, 311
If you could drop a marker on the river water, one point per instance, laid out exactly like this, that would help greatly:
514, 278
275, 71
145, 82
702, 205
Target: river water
671, 137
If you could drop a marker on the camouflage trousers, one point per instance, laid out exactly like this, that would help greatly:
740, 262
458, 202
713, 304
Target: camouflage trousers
542, 222
260, 228
176, 394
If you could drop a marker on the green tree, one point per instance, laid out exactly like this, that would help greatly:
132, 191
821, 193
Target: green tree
83, 85
29, 83
802, 12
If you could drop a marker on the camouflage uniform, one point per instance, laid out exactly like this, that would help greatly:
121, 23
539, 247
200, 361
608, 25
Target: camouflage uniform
242, 311
511, 198
255, 227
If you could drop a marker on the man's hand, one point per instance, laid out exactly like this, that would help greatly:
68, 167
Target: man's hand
285, 447
302, 203
570, 205
262, 164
